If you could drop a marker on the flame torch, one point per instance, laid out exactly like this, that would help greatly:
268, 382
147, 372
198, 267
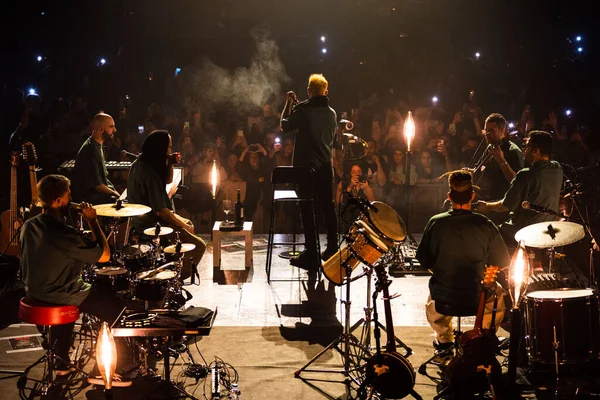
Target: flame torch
106, 355
214, 178
409, 135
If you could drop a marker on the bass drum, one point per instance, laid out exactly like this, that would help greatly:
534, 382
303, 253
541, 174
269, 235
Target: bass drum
364, 245
573, 313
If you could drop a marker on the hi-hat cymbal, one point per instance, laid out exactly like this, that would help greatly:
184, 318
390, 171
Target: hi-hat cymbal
550, 234
185, 247
164, 230
126, 210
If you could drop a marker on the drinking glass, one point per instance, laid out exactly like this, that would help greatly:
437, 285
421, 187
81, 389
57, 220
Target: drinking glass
227, 208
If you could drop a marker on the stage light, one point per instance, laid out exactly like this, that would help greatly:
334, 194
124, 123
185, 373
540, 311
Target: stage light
102, 61
579, 49
39, 58
322, 39
43, 13
434, 99
477, 55
568, 112
32, 91
578, 39
177, 71
324, 50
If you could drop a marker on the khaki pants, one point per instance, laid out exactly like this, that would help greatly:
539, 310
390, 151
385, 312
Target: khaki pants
196, 254
442, 324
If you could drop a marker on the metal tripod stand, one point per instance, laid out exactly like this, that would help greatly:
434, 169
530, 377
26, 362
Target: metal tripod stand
350, 348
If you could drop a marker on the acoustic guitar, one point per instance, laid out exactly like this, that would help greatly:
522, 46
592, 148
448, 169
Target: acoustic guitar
10, 220
475, 366
389, 373
30, 157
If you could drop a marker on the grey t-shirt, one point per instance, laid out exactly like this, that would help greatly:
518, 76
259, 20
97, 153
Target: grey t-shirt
52, 258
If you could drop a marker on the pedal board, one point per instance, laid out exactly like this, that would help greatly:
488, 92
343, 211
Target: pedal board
407, 263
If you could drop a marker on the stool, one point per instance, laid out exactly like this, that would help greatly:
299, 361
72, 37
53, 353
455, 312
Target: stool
288, 176
216, 237
46, 315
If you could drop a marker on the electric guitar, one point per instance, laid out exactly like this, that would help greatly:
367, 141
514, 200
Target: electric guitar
389, 373
30, 157
10, 220
475, 365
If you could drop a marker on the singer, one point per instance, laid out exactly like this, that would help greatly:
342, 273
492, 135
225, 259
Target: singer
538, 184
90, 176
314, 123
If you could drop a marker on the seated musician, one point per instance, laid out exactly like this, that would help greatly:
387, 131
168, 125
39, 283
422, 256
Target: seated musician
90, 176
539, 184
456, 246
146, 185
52, 257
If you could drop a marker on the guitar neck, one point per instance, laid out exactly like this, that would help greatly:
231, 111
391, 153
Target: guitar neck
33, 183
480, 310
13, 196
390, 345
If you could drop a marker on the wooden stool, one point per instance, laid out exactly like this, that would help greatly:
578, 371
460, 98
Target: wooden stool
217, 234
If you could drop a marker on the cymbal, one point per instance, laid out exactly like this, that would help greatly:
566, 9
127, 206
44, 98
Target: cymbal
127, 210
185, 247
164, 230
550, 234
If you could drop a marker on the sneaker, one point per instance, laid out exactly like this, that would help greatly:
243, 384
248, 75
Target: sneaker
118, 381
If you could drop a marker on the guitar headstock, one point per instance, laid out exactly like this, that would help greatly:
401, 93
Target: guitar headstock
490, 275
29, 153
14, 158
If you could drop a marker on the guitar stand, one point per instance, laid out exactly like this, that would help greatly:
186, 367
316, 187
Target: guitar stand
353, 367
365, 322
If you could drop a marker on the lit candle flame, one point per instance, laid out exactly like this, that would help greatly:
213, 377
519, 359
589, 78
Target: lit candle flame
519, 274
106, 355
409, 130
214, 178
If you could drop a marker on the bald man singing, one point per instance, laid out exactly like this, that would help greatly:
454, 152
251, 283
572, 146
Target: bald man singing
90, 176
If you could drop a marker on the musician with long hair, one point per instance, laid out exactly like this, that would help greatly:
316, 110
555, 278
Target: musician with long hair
148, 178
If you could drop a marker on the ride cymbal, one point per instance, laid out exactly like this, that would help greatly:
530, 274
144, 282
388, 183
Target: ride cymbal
550, 234
164, 230
185, 247
126, 210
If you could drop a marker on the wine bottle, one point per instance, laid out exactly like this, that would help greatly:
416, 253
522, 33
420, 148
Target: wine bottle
239, 210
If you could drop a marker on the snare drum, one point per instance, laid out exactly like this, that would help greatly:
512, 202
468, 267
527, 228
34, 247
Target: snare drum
386, 222
153, 285
573, 313
137, 257
364, 245
114, 279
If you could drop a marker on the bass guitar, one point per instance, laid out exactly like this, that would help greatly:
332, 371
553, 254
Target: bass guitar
30, 157
389, 373
10, 220
475, 367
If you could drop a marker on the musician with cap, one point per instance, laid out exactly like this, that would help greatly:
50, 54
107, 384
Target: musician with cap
456, 246
538, 184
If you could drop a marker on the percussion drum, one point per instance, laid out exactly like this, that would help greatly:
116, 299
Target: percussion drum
112, 278
386, 222
573, 313
153, 285
137, 257
364, 245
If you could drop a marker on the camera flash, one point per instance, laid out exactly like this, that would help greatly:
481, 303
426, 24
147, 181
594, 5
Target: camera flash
324, 50
277, 140
434, 99
39, 58
322, 39
32, 91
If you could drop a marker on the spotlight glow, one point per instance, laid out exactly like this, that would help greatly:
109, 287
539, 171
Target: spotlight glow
511, 125
568, 112
579, 49
578, 39
324, 50
477, 55
32, 91
434, 99
39, 58
177, 71
102, 61
322, 39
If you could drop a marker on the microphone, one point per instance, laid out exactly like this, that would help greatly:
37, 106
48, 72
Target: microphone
542, 210
130, 155
349, 124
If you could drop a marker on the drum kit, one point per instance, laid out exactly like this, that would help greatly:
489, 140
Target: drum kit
141, 271
561, 325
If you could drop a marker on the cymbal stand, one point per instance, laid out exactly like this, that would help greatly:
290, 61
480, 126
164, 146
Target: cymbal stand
354, 362
594, 242
114, 230
156, 244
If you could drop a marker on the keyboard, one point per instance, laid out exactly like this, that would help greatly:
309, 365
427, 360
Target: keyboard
68, 166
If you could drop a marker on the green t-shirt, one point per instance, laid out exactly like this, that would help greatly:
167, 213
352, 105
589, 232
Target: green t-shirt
52, 258
90, 171
144, 186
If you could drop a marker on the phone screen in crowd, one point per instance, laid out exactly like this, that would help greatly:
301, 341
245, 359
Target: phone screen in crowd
186, 124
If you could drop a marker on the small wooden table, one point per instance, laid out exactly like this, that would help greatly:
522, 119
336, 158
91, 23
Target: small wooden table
217, 234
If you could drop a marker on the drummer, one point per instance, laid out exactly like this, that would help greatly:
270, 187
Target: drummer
146, 185
539, 184
52, 258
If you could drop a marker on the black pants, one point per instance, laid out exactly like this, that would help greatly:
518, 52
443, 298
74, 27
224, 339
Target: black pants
100, 303
322, 189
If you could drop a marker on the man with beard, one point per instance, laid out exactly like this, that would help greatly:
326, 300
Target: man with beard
52, 258
146, 185
90, 176
538, 184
